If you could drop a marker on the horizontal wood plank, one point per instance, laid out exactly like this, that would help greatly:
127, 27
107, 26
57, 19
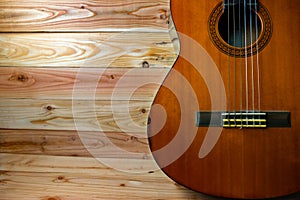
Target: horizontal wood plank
69, 143
84, 15
65, 178
83, 178
67, 164
70, 83
74, 115
127, 49
79, 186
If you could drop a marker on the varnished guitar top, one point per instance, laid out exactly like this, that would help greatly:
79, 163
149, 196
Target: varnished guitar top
231, 120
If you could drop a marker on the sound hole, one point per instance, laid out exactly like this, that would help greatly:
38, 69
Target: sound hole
240, 33
239, 28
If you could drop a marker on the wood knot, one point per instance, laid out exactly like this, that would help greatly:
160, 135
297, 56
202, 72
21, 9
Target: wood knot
82, 7
60, 179
73, 138
133, 138
144, 110
51, 198
50, 108
122, 185
18, 77
112, 77
163, 14
145, 64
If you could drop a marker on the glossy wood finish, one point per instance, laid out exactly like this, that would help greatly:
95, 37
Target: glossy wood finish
245, 163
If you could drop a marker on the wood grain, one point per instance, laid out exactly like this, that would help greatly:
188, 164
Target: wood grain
99, 180
48, 178
127, 49
59, 83
85, 15
68, 143
74, 115
61, 164
67, 186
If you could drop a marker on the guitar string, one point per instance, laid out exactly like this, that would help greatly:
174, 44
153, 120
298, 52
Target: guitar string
257, 60
241, 64
246, 61
257, 63
233, 16
230, 16
234, 64
228, 58
252, 60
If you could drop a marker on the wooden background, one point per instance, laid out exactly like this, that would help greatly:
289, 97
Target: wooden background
60, 65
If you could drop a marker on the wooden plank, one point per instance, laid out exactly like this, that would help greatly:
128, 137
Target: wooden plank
82, 178
79, 186
68, 143
84, 15
66, 178
127, 49
47, 83
66, 164
78, 115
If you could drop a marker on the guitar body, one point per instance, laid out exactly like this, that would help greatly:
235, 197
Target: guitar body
241, 162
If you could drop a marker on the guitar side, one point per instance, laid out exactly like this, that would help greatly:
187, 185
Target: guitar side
245, 162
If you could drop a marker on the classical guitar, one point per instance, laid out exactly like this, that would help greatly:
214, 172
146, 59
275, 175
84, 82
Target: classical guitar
226, 121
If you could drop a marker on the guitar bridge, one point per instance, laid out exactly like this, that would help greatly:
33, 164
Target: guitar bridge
243, 119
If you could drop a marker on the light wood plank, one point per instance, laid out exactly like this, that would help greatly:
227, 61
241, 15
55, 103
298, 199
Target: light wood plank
83, 178
74, 115
47, 83
66, 186
85, 15
80, 172
85, 165
68, 143
80, 186
128, 49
